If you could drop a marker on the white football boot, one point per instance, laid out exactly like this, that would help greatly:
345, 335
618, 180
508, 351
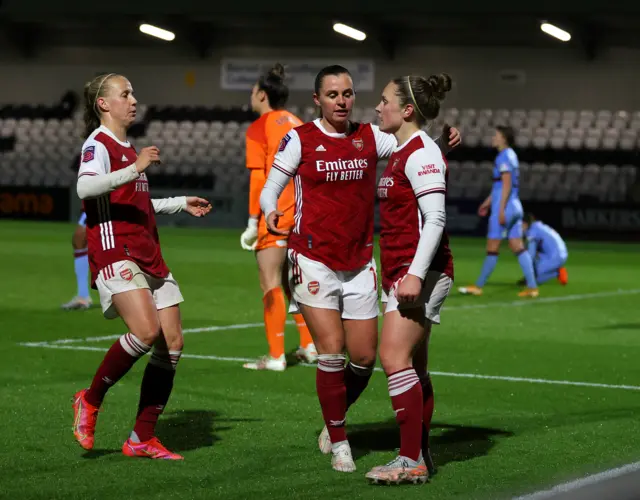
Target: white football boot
307, 354
268, 363
77, 303
400, 470
324, 441
341, 459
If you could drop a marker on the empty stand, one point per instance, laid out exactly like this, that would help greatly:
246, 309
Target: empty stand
204, 147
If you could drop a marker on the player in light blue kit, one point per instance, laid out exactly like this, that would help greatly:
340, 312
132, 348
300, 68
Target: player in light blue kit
505, 221
547, 249
82, 299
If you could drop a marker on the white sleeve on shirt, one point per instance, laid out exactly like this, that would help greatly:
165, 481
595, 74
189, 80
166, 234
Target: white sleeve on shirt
95, 159
504, 168
289, 154
95, 177
509, 161
285, 165
94, 185
169, 205
425, 170
385, 143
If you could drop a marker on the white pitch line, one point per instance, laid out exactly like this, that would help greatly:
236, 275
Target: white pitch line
582, 482
64, 346
186, 330
514, 303
544, 300
436, 373
538, 381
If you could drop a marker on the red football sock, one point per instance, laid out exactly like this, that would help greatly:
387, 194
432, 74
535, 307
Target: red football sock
332, 394
157, 384
406, 397
117, 362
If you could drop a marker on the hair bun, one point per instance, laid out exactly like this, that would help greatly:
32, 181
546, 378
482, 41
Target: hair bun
440, 85
276, 73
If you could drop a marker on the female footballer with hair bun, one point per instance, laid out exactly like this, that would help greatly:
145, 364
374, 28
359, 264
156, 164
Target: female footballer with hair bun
417, 264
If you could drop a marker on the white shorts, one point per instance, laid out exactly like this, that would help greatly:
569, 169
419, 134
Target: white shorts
124, 275
434, 292
353, 293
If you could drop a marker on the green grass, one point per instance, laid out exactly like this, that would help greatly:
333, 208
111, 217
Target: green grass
247, 434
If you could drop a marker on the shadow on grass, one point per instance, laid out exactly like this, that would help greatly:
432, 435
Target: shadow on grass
449, 443
188, 430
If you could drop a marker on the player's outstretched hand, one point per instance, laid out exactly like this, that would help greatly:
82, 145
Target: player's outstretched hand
409, 289
198, 207
146, 157
272, 223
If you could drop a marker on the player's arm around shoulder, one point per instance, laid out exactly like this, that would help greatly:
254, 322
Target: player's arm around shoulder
449, 139
385, 143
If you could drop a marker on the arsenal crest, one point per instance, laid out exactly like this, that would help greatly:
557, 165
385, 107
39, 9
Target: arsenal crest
313, 287
358, 143
395, 164
126, 274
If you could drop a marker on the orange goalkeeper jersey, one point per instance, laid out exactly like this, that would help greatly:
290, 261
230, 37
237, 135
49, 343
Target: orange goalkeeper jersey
262, 141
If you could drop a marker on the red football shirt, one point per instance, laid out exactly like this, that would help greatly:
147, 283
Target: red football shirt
334, 178
121, 225
414, 170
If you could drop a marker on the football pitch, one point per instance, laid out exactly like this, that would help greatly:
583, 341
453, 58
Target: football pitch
529, 393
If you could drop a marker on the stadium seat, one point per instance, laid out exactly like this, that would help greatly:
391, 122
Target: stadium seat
558, 138
575, 140
610, 139
39, 142
541, 138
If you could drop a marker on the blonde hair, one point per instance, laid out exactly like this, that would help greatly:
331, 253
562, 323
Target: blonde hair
93, 90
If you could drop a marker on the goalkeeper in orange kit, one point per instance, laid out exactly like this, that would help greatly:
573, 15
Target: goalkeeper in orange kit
268, 98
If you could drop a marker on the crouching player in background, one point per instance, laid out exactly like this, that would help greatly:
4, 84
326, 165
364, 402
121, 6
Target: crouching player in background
417, 265
505, 221
547, 249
